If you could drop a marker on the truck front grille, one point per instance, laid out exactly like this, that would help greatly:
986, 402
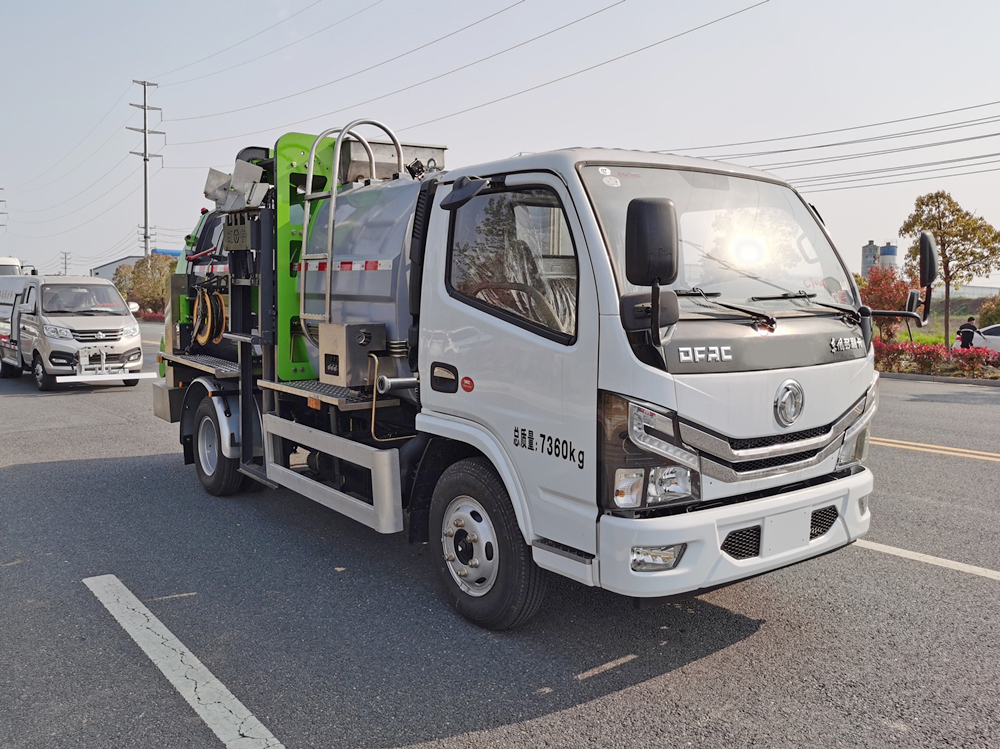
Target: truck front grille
743, 544
108, 358
777, 439
91, 336
822, 521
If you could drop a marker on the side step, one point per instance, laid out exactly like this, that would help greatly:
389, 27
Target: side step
385, 514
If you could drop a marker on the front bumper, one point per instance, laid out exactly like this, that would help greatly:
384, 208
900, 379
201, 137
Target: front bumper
71, 361
783, 540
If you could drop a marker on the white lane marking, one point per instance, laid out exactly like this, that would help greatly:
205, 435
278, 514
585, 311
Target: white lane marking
606, 667
168, 598
235, 726
917, 556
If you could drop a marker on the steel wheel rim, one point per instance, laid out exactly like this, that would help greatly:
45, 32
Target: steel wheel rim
469, 544
39, 371
208, 446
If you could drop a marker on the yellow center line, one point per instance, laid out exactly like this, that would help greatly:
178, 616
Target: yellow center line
953, 453
902, 443
151, 343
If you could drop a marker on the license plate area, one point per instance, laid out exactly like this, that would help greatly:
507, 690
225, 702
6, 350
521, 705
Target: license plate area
785, 532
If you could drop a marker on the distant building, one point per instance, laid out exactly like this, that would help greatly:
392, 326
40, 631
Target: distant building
872, 255
108, 269
869, 257
887, 255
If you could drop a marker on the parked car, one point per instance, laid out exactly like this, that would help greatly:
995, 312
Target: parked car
67, 328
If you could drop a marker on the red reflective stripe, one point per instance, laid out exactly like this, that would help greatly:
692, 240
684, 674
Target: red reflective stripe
371, 265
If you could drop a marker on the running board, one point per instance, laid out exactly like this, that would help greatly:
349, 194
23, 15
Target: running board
108, 377
384, 515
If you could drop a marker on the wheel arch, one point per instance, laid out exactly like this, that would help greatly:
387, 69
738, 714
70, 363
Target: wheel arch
451, 442
229, 425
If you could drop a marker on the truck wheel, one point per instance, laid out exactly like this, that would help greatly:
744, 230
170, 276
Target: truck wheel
483, 561
218, 474
130, 383
43, 379
9, 371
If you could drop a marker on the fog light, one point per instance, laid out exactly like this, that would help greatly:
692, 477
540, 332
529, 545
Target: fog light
656, 558
863, 505
135, 357
667, 483
628, 487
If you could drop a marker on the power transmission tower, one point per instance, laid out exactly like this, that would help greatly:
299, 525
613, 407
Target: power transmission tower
3, 213
65, 262
146, 132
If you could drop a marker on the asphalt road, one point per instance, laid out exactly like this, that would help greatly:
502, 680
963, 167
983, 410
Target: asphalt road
335, 636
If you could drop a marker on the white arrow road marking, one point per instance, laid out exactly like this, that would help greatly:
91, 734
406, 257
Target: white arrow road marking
235, 726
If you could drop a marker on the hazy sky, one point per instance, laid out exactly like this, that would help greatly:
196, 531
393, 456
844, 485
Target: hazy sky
782, 68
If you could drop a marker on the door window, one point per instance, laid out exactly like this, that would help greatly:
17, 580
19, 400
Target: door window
30, 299
511, 254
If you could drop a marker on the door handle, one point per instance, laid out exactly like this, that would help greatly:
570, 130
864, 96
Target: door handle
444, 377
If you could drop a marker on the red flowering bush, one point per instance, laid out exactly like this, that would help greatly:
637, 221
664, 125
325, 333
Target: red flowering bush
889, 357
972, 360
152, 317
925, 358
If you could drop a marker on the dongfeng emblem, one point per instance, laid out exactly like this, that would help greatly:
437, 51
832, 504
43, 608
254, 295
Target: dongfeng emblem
788, 403
99, 335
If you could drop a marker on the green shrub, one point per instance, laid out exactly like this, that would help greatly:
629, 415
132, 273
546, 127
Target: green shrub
989, 313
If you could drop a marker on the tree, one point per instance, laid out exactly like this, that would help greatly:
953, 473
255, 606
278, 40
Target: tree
989, 313
886, 289
123, 280
151, 281
968, 246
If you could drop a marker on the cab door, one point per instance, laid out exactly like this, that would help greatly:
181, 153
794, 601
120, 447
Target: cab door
29, 325
509, 338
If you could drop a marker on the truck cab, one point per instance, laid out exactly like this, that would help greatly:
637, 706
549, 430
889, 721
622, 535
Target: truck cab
647, 373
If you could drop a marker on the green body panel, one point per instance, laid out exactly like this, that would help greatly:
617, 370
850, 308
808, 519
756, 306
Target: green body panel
291, 154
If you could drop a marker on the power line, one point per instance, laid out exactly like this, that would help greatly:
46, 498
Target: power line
355, 73
233, 46
88, 158
591, 67
410, 87
900, 182
92, 218
978, 122
837, 130
85, 205
851, 157
273, 51
900, 174
799, 180
87, 188
84, 138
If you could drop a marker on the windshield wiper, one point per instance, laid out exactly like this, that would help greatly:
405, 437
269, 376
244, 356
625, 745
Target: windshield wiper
759, 315
845, 311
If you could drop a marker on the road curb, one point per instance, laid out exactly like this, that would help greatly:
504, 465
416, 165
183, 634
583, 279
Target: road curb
932, 378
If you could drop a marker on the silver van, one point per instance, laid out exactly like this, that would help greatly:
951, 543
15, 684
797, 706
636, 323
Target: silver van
67, 329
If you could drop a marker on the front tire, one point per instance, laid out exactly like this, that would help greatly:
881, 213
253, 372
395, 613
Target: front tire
43, 379
218, 474
483, 562
130, 383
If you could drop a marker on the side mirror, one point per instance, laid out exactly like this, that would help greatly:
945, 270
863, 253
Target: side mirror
133, 307
651, 241
913, 301
928, 259
26, 309
464, 190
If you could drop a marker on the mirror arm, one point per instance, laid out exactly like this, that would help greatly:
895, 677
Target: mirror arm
654, 310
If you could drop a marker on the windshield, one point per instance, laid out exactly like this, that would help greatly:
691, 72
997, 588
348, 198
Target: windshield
740, 239
83, 299
9, 270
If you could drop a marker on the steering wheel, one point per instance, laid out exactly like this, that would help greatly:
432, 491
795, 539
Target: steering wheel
541, 304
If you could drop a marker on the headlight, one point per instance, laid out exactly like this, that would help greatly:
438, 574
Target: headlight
642, 463
855, 447
130, 331
53, 331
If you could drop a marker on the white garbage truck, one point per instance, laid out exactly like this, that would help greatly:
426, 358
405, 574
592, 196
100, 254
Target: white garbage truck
647, 373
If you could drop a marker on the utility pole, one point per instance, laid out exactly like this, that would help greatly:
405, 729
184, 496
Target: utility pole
146, 132
65, 262
3, 213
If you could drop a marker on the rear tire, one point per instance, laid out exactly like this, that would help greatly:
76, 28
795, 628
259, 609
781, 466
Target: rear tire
130, 383
43, 379
9, 371
218, 474
485, 565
